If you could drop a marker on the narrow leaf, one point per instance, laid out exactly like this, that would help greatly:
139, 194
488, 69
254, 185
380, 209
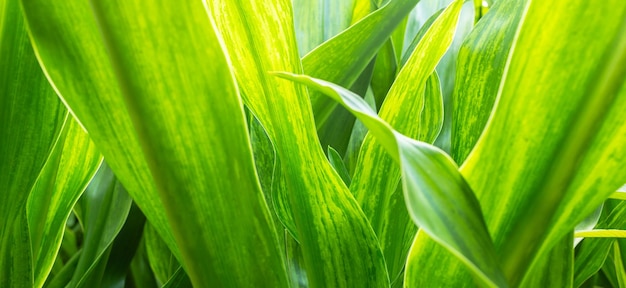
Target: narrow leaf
439, 200
72, 163
32, 117
414, 107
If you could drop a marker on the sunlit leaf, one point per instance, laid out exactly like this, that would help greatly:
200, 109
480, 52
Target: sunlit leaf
439, 200
325, 215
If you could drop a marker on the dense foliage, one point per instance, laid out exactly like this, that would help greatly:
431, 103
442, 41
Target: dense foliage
312, 143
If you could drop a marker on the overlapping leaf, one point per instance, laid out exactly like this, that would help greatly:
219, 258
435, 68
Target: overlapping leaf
592, 252
168, 129
415, 109
104, 205
71, 52
481, 61
260, 38
351, 51
69, 168
32, 118
439, 200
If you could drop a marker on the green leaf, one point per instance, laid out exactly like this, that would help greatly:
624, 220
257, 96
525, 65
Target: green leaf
63, 278
592, 252
177, 121
357, 135
176, 115
561, 174
70, 166
162, 260
295, 258
556, 269
549, 116
480, 66
68, 44
339, 247
178, 280
105, 204
351, 51
316, 21
140, 273
123, 249
439, 200
615, 258
32, 117
337, 163
384, 72
414, 107
601, 233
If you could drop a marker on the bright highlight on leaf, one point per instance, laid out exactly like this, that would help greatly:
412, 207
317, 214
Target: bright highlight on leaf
435, 191
150, 143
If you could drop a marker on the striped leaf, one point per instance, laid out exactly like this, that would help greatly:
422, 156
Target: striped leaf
155, 117
32, 118
414, 107
326, 217
438, 198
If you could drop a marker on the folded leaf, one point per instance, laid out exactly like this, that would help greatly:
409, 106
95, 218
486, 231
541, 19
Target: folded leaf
72, 163
439, 200
414, 107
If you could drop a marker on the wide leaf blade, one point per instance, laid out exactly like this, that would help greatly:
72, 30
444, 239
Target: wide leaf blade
338, 245
71, 52
195, 140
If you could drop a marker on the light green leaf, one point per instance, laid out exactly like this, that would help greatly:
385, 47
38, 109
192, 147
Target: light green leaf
480, 66
70, 166
351, 51
32, 117
357, 135
438, 198
335, 160
522, 169
177, 122
179, 110
414, 107
559, 127
592, 252
446, 69
162, 261
619, 195
601, 233
316, 21
295, 262
620, 273
71, 52
326, 217
384, 72
590, 257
